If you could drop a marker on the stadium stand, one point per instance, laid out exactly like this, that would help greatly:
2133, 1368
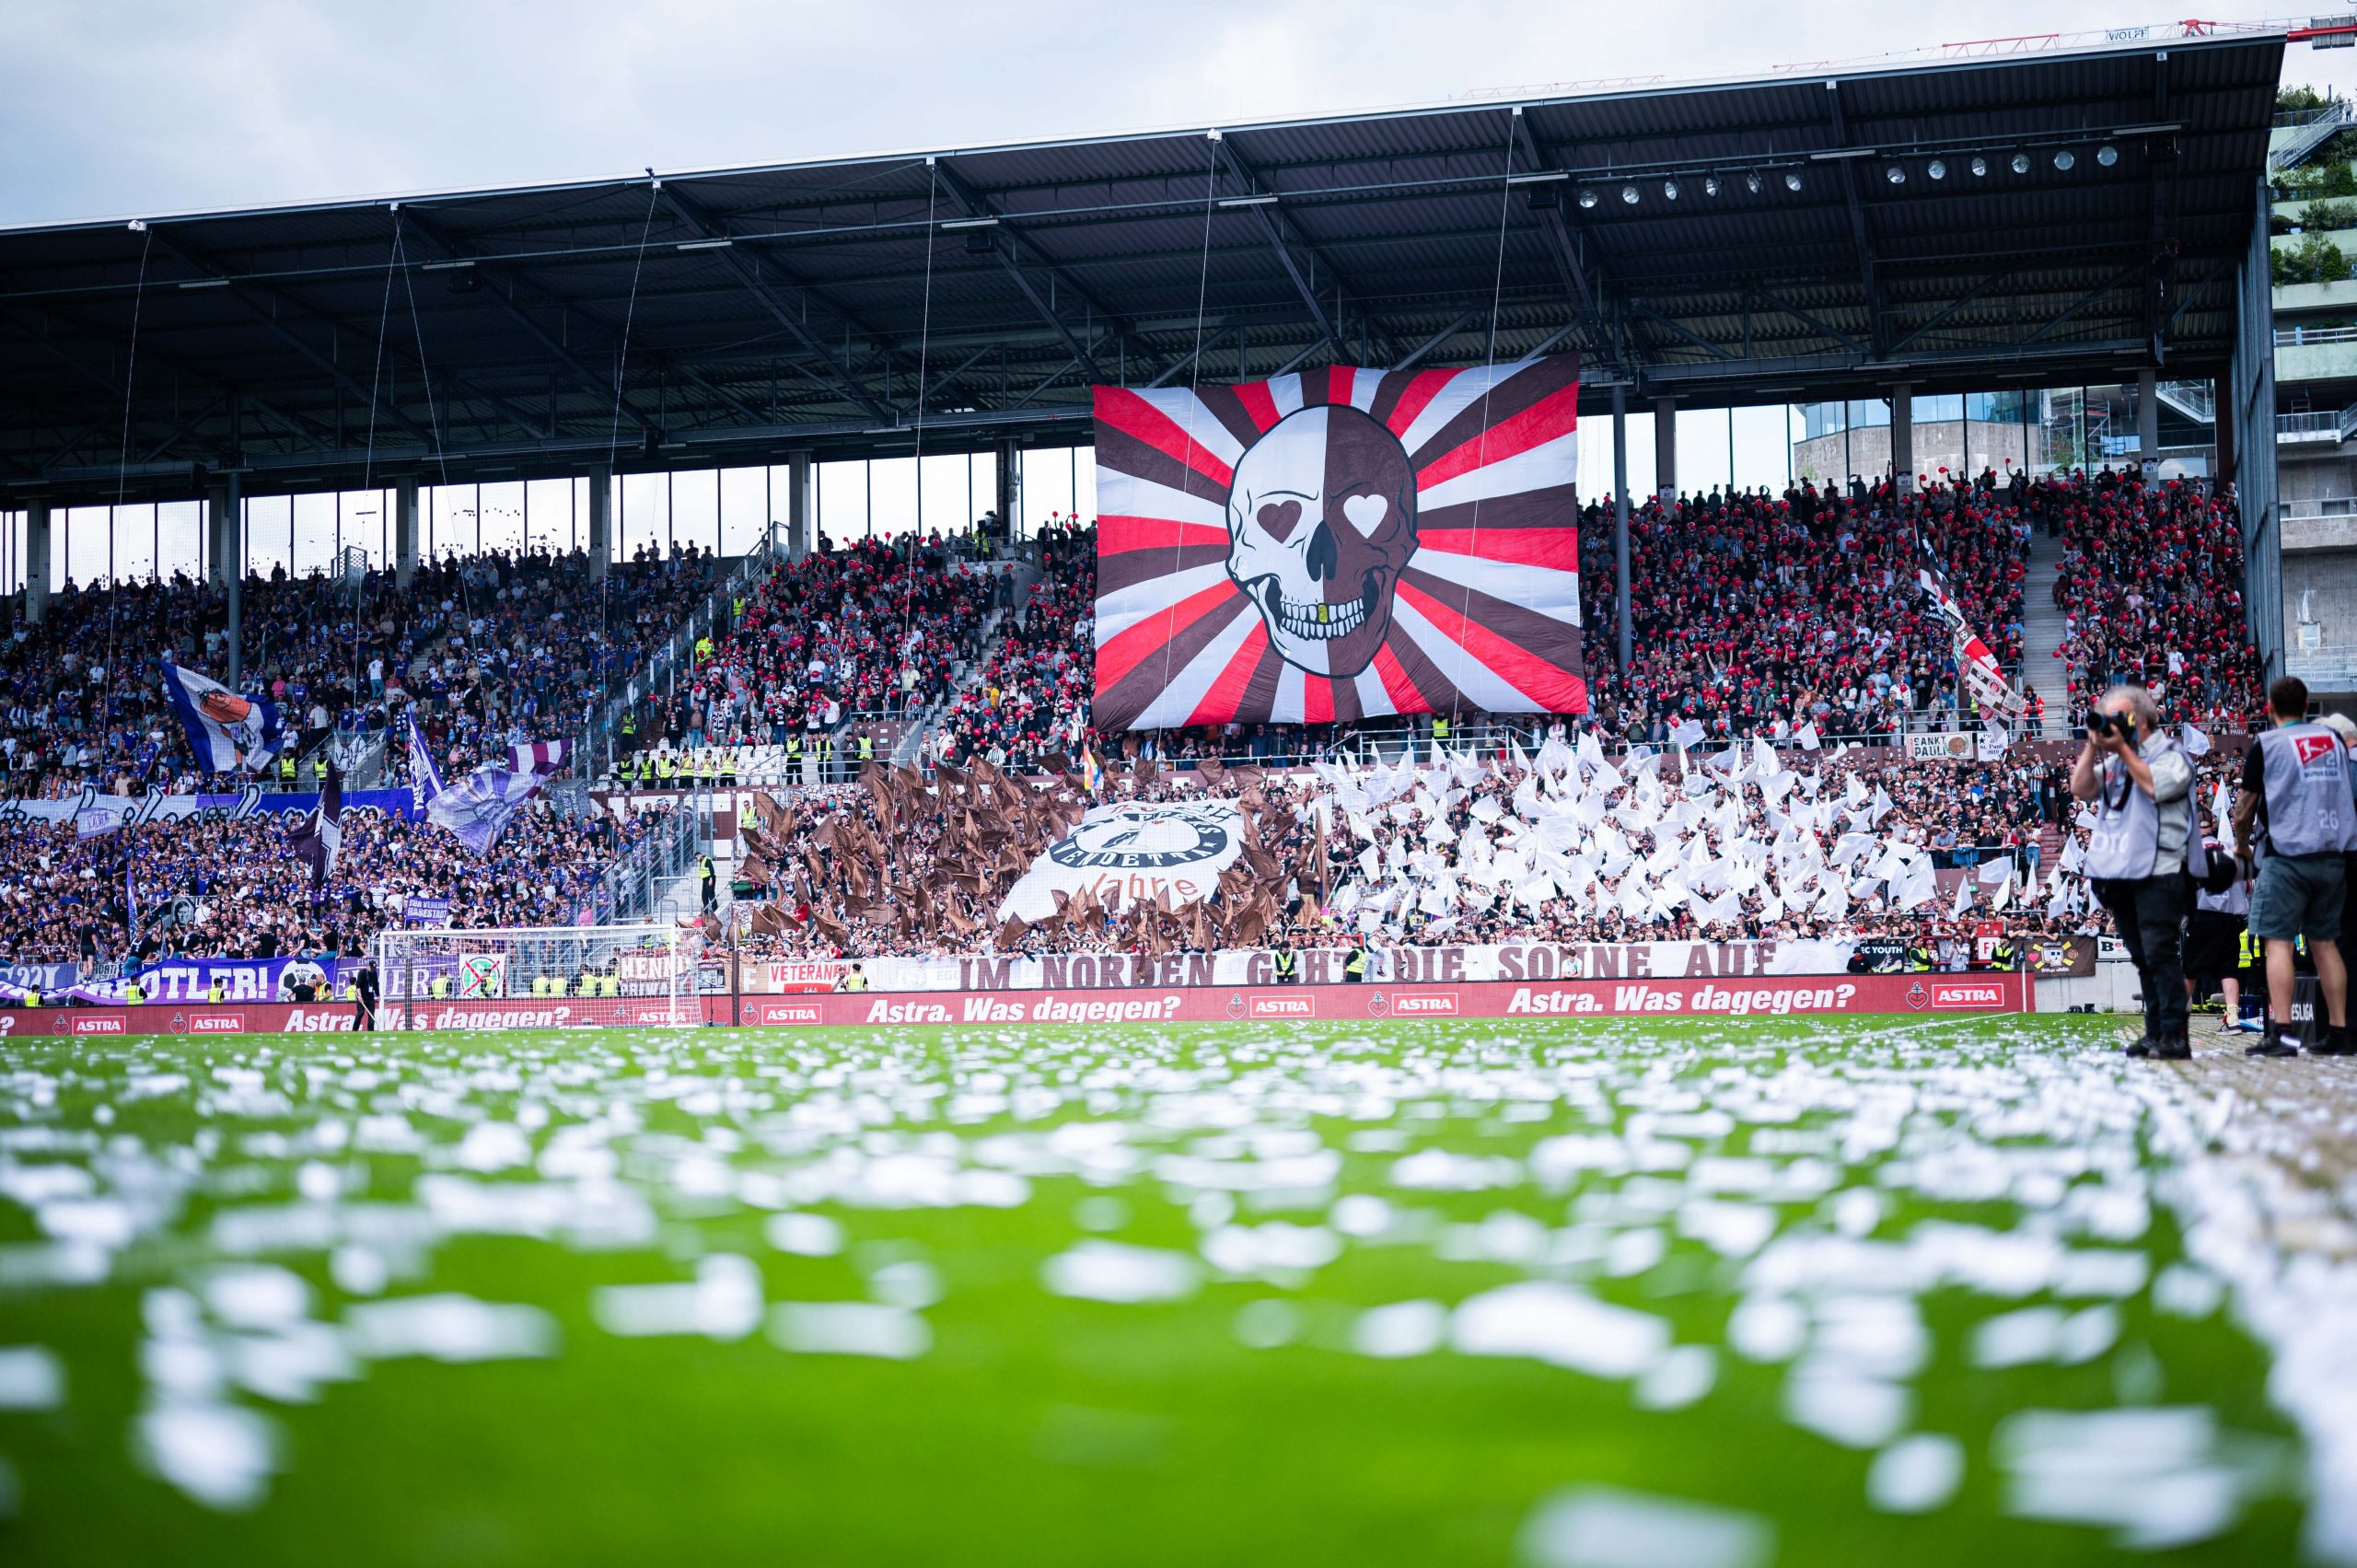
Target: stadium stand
490, 650
1757, 615
2150, 587
874, 634
216, 889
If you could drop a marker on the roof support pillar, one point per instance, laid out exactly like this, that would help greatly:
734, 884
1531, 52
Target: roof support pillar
1902, 438
1007, 498
229, 528
1621, 523
798, 506
601, 519
405, 531
2148, 421
1666, 448
2222, 430
36, 556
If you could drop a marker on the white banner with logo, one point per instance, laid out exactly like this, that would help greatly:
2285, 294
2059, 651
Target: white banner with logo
1133, 853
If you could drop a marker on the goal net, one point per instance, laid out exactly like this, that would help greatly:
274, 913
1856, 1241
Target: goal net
548, 977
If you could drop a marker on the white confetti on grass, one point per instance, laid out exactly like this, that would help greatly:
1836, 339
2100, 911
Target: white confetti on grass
1267, 1323
1276, 1248
289, 1363
1679, 1379
256, 1297
1917, 1474
1552, 1322
804, 1235
221, 1455
449, 1327
1766, 1328
849, 1328
725, 1301
1401, 1329
32, 1378
1607, 1528
1846, 1405
2149, 1475
1114, 1270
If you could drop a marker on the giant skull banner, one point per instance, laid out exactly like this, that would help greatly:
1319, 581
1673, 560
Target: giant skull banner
1339, 543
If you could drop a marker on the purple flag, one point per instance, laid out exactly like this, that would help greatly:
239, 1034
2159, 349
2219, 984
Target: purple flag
320, 834
477, 808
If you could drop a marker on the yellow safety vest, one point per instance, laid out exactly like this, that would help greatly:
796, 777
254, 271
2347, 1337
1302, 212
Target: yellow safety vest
854, 981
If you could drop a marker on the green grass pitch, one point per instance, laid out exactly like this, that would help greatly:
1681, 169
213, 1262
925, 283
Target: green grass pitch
1715, 1295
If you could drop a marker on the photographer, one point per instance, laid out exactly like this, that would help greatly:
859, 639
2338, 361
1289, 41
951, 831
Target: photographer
2295, 784
2140, 851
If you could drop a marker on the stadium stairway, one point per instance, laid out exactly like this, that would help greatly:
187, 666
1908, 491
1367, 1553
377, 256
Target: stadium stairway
2042, 629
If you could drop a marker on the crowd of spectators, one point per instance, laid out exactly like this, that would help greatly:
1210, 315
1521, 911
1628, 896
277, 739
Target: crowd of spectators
1756, 614
879, 628
2152, 591
489, 650
211, 886
1030, 697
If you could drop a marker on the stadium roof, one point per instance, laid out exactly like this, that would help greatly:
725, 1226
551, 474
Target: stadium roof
801, 305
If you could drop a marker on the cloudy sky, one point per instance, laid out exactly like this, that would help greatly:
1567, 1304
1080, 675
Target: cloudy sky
143, 106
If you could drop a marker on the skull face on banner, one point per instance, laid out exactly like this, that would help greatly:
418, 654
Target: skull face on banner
1321, 519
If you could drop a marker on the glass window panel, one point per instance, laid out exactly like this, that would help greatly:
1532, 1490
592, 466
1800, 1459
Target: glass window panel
314, 528
744, 509
892, 494
89, 543
548, 513
1084, 496
1868, 413
946, 489
1939, 406
1595, 438
1762, 447
270, 530
695, 509
645, 504
134, 544
179, 539
503, 515
12, 553
1702, 450
1047, 488
842, 501
367, 525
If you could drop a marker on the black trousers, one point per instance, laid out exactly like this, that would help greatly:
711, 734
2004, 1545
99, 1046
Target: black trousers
2150, 914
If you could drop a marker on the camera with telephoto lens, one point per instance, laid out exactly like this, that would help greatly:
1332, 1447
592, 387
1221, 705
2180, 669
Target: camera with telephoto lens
2120, 724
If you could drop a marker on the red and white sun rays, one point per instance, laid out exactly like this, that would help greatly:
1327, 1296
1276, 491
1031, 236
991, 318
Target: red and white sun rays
1265, 555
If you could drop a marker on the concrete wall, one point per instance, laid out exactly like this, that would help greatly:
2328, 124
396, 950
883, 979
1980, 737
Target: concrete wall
2315, 362
2293, 299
